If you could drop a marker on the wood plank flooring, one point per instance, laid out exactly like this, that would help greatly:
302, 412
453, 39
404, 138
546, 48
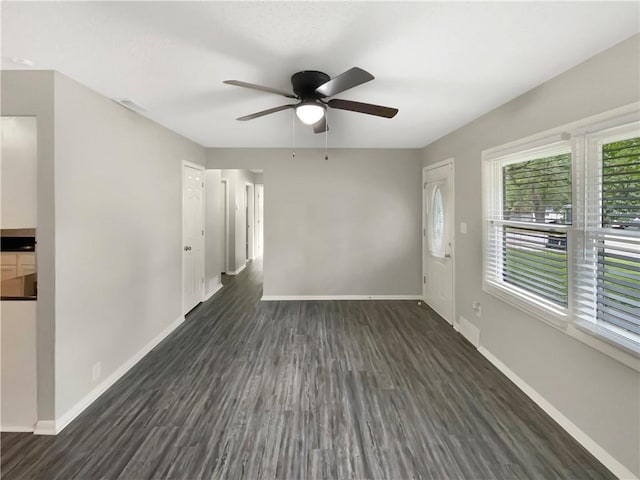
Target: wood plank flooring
306, 390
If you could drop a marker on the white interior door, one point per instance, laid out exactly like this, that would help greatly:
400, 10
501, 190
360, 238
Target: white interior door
247, 230
259, 218
193, 236
438, 218
225, 226
250, 220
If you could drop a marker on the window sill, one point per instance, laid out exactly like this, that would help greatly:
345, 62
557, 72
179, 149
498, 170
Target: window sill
615, 346
621, 349
547, 314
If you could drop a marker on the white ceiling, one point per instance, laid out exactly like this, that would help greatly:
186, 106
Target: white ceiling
442, 64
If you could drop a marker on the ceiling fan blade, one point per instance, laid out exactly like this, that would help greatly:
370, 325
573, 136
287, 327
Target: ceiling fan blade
253, 86
351, 78
265, 112
368, 108
321, 126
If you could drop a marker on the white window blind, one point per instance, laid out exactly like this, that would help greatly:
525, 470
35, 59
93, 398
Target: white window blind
528, 208
607, 292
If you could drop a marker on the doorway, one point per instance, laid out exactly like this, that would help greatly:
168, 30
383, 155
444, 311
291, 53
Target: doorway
249, 204
259, 219
225, 226
438, 242
192, 235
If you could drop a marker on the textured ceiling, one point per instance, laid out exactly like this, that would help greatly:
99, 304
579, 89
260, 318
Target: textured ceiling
442, 64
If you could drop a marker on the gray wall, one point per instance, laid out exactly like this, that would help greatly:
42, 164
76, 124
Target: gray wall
118, 210
599, 394
31, 93
347, 226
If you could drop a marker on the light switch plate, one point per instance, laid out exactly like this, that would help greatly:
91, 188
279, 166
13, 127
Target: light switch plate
463, 227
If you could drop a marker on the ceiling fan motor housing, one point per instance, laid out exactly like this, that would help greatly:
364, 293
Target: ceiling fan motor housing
305, 83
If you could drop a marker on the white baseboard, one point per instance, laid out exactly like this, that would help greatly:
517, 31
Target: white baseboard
78, 408
16, 429
45, 427
213, 292
617, 468
236, 272
339, 297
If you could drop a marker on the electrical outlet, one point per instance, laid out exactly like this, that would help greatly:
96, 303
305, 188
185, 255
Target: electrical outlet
477, 308
96, 371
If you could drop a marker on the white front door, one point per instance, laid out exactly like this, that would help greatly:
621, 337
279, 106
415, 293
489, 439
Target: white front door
438, 205
193, 236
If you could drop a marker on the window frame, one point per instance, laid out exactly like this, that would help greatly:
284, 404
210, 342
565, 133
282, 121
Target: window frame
493, 164
590, 145
577, 135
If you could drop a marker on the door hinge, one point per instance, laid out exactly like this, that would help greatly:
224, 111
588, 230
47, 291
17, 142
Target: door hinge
424, 232
424, 280
202, 184
202, 279
202, 232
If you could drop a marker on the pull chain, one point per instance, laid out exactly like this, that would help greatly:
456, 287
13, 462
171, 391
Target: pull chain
326, 135
293, 133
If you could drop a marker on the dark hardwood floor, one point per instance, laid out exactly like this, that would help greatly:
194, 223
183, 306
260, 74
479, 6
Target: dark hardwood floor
306, 390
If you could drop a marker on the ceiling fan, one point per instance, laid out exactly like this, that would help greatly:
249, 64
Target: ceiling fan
312, 88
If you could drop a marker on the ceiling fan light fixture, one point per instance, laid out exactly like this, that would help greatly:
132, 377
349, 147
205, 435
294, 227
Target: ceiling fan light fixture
310, 113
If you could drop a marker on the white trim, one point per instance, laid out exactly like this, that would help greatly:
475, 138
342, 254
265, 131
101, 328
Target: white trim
607, 342
468, 330
238, 270
16, 429
197, 166
93, 395
213, 292
520, 298
45, 427
521, 151
268, 298
618, 469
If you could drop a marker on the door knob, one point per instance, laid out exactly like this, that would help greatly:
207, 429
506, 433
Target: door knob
447, 255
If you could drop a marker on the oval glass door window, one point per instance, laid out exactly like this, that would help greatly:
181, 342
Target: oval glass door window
436, 223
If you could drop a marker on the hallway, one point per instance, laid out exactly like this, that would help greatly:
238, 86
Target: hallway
316, 389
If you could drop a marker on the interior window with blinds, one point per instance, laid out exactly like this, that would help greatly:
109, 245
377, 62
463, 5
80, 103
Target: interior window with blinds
608, 280
529, 219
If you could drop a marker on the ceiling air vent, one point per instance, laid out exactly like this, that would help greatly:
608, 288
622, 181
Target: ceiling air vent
130, 104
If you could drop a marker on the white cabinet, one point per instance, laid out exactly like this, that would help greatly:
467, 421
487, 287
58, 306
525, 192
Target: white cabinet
26, 264
15, 266
9, 271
